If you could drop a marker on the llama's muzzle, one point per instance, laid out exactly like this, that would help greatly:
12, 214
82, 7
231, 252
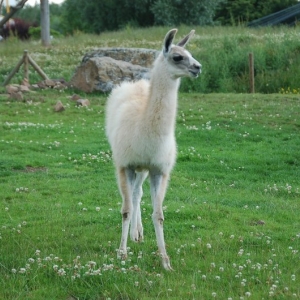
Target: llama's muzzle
195, 70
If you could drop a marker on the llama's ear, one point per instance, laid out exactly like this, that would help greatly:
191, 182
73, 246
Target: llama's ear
168, 40
186, 39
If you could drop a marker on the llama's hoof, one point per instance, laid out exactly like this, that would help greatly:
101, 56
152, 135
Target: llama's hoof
121, 254
137, 235
166, 264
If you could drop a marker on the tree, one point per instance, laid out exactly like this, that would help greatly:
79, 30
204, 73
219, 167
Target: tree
190, 12
233, 12
45, 23
99, 15
13, 10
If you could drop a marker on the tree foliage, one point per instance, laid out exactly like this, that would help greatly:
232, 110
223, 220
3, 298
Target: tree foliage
235, 12
101, 15
189, 12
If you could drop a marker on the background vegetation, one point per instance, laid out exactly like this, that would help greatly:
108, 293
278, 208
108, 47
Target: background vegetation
102, 15
223, 52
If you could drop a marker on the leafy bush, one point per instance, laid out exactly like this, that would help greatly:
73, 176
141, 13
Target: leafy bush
35, 33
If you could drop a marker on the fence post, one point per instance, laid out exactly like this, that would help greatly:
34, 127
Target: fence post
26, 73
251, 73
14, 71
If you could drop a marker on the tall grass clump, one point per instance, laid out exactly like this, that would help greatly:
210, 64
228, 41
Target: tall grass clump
224, 55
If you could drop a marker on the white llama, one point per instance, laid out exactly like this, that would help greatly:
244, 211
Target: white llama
140, 126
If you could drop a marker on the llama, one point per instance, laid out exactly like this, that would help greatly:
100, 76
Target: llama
140, 126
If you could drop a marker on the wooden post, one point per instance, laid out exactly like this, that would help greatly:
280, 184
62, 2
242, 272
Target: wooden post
14, 71
251, 73
26, 73
37, 68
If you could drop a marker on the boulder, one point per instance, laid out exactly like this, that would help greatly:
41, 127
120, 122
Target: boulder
103, 73
136, 56
16, 96
104, 68
82, 102
59, 107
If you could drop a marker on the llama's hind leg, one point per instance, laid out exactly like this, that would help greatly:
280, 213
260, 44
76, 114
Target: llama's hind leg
136, 227
126, 180
158, 186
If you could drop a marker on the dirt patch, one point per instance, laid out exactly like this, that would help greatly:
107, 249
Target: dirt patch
31, 169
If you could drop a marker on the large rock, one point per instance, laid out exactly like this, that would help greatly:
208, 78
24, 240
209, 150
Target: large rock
103, 69
136, 56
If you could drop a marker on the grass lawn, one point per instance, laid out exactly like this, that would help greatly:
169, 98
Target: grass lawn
232, 222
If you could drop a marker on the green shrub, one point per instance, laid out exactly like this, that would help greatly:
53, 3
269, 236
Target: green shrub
35, 33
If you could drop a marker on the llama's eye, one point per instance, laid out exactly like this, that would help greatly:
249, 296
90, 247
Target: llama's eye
177, 58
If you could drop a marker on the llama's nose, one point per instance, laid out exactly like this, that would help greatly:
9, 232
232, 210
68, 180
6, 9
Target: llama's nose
197, 67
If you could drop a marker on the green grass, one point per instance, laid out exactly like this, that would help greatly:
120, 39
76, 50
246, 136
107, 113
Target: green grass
232, 206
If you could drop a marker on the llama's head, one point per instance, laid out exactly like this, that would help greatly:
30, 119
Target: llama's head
180, 62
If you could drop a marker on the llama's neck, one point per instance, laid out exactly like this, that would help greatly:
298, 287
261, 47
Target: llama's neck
162, 103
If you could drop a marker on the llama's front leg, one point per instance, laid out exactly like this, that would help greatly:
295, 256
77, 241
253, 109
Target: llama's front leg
126, 179
136, 227
158, 186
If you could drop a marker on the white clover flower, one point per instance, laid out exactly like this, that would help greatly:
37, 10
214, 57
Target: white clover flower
240, 253
293, 277
97, 208
61, 272
208, 246
14, 271
247, 294
55, 267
